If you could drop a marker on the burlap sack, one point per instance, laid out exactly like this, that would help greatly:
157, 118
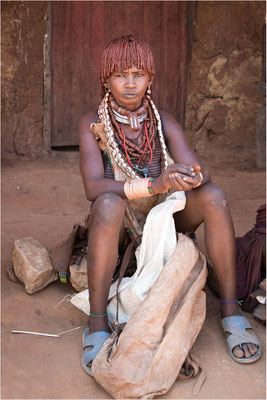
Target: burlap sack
145, 360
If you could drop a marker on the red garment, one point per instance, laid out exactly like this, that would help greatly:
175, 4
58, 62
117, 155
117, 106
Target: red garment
249, 258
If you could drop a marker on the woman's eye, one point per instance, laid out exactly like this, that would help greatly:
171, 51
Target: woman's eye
120, 75
138, 75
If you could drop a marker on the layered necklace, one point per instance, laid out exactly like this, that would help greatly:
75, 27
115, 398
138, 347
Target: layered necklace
139, 157
135, 157
128, 117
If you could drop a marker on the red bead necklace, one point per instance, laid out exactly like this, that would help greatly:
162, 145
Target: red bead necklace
146, 142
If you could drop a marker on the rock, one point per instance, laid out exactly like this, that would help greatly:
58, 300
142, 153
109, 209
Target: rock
32, 264
78, 275
258, 292
260, 312
262, 285
11, 273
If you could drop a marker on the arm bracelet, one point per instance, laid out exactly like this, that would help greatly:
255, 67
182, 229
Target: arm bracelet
138, 188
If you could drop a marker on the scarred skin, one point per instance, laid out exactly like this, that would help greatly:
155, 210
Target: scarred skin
205, 203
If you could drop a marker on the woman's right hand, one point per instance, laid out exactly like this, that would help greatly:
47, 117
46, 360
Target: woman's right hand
173, 177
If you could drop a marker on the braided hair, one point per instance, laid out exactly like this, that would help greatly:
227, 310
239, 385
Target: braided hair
120, 54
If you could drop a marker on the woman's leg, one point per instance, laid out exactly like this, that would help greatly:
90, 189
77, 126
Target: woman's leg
208, 204
106, 232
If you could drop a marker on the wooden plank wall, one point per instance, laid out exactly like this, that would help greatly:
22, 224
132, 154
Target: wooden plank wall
80, 31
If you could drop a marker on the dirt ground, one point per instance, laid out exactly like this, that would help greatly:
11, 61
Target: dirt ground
43, 199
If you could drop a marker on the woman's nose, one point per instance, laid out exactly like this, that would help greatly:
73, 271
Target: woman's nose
130, 81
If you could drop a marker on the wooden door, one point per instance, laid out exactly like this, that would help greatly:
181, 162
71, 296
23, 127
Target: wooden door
80, 31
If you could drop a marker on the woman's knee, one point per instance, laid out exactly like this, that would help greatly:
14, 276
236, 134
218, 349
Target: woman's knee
108, 208
211, 196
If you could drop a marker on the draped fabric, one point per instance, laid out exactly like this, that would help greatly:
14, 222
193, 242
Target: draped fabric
250, 260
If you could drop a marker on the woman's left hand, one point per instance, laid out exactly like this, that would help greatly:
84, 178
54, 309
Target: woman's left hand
185, 183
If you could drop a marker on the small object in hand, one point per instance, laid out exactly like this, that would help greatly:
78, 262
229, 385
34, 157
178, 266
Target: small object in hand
197, 168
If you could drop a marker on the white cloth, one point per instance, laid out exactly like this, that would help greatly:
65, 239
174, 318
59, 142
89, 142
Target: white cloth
158, 244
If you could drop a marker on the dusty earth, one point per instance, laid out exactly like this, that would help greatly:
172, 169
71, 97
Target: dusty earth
43, 199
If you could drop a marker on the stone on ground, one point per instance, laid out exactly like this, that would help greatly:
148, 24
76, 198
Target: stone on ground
78, 275
32, 264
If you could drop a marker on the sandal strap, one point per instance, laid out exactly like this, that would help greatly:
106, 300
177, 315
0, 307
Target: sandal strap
237, 326
96, 340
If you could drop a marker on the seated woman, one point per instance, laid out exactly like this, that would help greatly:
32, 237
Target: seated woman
141, 132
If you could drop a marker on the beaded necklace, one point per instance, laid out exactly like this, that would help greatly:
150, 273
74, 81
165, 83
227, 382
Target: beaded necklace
140, 155
130, 121
114, 139
145, 143
125, 116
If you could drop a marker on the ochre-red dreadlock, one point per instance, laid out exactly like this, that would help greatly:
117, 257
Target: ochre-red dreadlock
124, 53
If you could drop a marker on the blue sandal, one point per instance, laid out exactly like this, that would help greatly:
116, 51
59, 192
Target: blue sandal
237, 326
96, 341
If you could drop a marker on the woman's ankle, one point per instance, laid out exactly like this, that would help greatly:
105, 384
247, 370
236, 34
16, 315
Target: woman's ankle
98, 324
229, 309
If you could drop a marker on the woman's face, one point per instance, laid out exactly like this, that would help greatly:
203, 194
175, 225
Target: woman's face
128, 87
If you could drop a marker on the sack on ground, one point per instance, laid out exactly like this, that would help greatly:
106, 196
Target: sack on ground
146, 358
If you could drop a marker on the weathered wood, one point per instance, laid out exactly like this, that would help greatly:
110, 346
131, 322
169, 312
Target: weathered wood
79, 32
47, 82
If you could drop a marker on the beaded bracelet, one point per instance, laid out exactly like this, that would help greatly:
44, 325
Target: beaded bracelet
138, 188
98, 315
149, 186
231, 301
228, 302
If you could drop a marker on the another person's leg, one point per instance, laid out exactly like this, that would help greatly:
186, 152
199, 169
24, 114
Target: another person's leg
106, 233
208, 204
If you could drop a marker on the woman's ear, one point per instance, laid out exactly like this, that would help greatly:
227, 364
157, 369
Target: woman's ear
150, 80
105, 84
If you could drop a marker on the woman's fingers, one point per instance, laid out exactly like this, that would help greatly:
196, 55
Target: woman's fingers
184, 182
189, 180
174, 183
178, 182
182, 169
197, 180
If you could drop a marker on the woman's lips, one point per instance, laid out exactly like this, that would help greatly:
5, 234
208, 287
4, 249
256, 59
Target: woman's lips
129, 95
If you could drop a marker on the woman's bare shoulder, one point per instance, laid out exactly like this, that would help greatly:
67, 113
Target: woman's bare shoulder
88, 119
169, 123
84, 126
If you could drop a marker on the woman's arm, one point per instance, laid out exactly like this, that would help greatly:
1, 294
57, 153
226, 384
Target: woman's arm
91, 163
184, 174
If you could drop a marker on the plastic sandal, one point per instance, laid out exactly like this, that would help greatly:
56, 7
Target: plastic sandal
96, 341
237, 326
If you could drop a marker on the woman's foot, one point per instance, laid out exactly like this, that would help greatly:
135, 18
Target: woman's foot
248, 349
92, 344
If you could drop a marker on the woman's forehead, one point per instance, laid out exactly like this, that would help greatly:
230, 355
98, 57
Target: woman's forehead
132, 69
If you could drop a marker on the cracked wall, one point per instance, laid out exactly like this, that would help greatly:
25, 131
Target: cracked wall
23, 29
225, 89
